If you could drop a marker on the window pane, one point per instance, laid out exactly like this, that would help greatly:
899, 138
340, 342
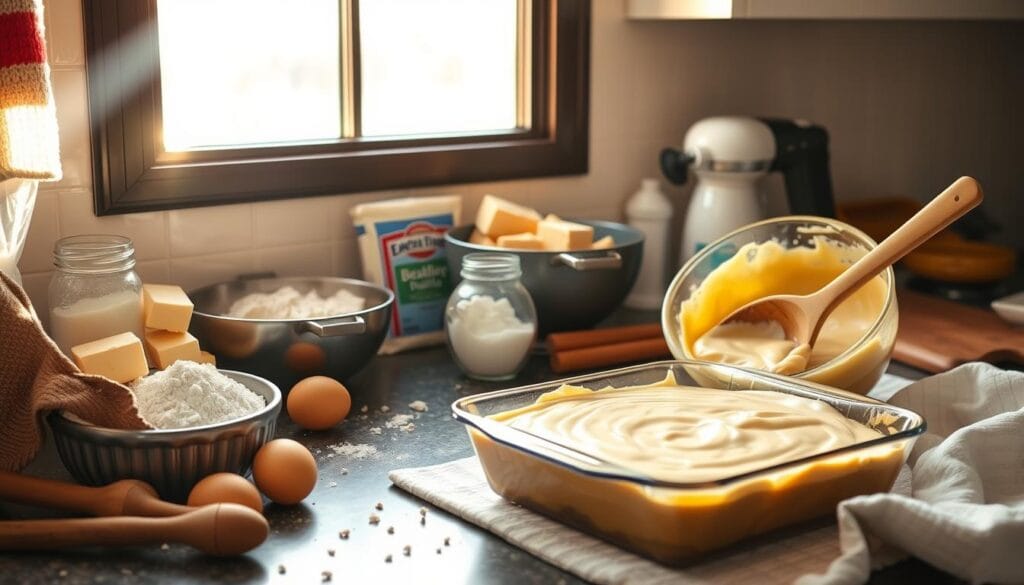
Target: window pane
245, 73
437, 66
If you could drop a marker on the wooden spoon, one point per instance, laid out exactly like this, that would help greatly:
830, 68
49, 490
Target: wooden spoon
217, 529
801, 316
128, 497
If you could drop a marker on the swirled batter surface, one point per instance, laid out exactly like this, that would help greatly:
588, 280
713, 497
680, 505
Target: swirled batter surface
687, 434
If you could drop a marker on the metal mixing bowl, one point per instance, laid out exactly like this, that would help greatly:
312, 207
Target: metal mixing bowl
288, 350
571, 290
172, 461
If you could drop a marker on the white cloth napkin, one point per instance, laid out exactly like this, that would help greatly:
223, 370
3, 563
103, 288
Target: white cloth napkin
964, 511
966, 515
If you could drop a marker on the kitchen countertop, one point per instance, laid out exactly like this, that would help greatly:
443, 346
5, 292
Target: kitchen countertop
303, 537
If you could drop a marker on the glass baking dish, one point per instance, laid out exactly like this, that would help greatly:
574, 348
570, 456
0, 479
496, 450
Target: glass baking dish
675, 523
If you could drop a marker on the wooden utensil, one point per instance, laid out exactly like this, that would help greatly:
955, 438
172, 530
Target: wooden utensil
217, 529
801, 316
128, 497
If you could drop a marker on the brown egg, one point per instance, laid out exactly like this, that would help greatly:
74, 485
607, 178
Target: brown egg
285, 471
225, 487
318, 402
303, 357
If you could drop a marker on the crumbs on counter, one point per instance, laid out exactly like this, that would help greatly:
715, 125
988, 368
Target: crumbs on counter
376, 430
355, 451
325, 576
374, 519
364, 409
379, 506
407, 550
343, 534
281, 570
391, 529
418, 406
387, 559
385, 409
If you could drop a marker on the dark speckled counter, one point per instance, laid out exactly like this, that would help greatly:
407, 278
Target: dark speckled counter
304, 537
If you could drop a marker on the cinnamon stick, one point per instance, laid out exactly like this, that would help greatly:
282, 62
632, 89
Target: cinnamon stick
567, 340
608, 355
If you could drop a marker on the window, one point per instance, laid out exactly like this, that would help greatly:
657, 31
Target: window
202, 102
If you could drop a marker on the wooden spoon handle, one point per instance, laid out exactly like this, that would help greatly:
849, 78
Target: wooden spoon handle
126, 497
219, 529
959, 198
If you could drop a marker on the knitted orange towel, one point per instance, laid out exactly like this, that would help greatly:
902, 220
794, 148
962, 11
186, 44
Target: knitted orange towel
35, 377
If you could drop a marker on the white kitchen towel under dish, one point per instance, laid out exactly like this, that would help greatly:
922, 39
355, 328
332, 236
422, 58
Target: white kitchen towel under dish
966, 516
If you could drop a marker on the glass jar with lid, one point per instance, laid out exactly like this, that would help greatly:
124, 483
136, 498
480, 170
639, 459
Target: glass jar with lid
490, 321
95, 292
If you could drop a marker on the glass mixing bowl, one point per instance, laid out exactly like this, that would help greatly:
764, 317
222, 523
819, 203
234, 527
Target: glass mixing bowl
861, 365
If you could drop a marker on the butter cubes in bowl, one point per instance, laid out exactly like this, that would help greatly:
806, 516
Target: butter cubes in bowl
685, 470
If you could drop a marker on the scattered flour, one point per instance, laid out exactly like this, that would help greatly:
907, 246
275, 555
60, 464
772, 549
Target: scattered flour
188, 394
399, 421
360, 451
288, 303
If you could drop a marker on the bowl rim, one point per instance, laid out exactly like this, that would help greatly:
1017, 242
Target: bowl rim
669, 320
637, 237
284, 280
60, 422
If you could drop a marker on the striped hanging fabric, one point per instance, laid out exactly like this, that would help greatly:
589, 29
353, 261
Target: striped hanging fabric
29, 148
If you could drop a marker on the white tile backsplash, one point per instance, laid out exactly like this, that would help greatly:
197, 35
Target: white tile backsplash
345, 258
301, 260
199, 271
154, 271
293, 221
65, 42
37, 255
210, 230
148, 231
70, 97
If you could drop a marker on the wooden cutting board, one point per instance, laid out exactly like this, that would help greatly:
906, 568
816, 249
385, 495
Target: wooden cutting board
936, 335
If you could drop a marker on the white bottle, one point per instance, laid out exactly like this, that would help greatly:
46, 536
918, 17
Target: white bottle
650, 211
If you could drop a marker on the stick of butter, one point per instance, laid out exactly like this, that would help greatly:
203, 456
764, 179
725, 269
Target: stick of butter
118, 357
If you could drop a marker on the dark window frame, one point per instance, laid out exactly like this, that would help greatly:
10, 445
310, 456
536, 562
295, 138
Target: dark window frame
132, 173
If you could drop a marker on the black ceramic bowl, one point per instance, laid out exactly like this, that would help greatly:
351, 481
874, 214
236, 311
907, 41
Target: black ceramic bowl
571, 290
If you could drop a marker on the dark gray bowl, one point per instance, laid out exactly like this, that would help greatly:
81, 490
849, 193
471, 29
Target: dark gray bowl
571, 290
172, 461
287, 350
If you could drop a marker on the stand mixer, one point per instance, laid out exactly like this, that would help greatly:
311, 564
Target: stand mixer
729, 155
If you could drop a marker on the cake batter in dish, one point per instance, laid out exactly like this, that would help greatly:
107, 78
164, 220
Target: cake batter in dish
686, 434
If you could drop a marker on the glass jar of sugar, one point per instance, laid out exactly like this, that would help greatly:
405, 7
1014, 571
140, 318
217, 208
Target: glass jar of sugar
490, 321
95, 292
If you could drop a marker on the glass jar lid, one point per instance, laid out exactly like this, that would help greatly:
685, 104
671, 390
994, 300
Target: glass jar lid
491, 266
94, 254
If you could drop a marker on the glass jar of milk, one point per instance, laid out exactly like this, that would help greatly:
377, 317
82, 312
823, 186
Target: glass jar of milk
490, 320
95, 292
